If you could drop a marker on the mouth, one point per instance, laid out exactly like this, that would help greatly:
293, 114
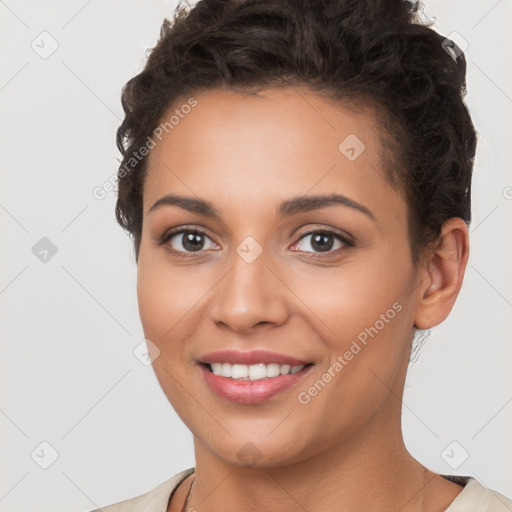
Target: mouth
251, 377
253, 372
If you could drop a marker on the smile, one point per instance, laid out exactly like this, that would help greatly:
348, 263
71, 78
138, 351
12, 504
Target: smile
251, 377
254, 371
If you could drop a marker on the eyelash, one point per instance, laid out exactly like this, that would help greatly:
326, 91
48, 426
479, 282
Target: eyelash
166, 237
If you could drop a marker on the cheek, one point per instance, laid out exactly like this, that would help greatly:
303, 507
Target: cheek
167, 296
166, 300
367, 315
358, 295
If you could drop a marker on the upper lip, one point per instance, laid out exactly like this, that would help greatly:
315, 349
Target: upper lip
251, 357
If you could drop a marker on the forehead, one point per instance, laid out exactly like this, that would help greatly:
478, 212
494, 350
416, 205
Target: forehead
243, 151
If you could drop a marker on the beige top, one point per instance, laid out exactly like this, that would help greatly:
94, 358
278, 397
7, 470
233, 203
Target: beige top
473, 498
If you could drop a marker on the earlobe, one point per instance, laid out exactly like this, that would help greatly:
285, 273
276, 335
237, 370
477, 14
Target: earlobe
444, 274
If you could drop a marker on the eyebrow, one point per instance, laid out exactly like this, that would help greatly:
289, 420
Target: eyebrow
286, 208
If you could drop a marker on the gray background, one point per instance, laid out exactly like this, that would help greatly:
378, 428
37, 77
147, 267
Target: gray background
70, 324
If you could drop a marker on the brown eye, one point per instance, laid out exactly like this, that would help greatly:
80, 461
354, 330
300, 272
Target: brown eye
321, 241
188, 241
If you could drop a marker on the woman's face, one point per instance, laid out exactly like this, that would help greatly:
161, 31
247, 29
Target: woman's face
300, 263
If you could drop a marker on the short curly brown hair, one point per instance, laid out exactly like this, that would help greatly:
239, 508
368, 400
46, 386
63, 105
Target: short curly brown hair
369, 51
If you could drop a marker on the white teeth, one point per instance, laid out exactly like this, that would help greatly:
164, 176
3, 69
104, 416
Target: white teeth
217, 368
226, 370
254, 371
257, 371
273, 370
239, 371
285, 369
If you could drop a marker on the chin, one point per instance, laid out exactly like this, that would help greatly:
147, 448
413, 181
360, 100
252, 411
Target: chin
259, 450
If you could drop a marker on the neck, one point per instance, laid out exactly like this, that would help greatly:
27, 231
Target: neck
360, 472
368, 468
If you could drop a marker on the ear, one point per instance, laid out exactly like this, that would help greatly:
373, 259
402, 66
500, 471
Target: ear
444, 271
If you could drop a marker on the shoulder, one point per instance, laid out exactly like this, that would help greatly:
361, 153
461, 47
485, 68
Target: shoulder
477, 498
155, 500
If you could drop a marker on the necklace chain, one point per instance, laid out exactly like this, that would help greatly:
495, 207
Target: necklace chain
185, 507
189, 494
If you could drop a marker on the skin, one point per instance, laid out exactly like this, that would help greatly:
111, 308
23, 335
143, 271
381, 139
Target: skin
246, 154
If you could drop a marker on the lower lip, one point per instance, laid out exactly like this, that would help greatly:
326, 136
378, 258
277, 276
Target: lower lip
250, 391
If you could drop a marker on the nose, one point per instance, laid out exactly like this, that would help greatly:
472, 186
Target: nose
249, 297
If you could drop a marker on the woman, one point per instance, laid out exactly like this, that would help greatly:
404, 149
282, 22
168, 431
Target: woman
296, 179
